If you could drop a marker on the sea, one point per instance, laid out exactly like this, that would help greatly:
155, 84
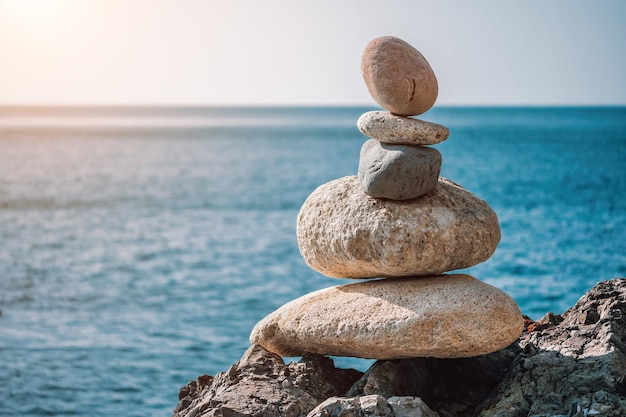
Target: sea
140, 245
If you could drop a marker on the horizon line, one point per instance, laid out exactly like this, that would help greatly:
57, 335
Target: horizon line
288, 105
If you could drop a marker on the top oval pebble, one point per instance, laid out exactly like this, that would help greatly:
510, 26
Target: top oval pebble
398, 76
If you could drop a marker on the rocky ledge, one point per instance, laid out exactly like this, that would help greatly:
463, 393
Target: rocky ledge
569, 365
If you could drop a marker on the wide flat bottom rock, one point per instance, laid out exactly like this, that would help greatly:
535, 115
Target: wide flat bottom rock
446, 316
570, 365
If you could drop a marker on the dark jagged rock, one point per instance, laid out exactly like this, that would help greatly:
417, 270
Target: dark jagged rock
449, 386
260, 384
569, 365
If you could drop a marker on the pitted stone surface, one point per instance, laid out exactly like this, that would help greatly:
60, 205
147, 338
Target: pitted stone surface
398, 77
373, 406
445, 316
389, 128
344, 233
398, 172
562, 365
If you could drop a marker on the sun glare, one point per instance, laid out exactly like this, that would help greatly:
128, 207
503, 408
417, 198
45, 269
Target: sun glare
28, 10
46, 19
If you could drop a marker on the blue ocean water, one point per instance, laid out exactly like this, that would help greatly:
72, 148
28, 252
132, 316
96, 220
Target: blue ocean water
139, 246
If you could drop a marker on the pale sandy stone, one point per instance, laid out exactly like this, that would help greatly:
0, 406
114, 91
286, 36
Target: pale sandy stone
446, 316
398, 76
342, 232
398, 172
389, 128
366, 405
410, 407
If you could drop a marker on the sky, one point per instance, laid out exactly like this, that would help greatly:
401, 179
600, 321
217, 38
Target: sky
286, 52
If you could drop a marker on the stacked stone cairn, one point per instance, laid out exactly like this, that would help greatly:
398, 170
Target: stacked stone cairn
397, 221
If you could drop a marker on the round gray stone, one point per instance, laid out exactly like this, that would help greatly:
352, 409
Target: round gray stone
342, 232
389, 128
398, 172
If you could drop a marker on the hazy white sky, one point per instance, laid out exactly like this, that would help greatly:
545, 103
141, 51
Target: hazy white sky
306, 52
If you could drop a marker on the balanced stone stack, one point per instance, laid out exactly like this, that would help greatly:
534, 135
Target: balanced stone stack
397, 221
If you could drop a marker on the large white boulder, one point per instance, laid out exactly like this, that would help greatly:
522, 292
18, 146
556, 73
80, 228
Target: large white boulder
344, 233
